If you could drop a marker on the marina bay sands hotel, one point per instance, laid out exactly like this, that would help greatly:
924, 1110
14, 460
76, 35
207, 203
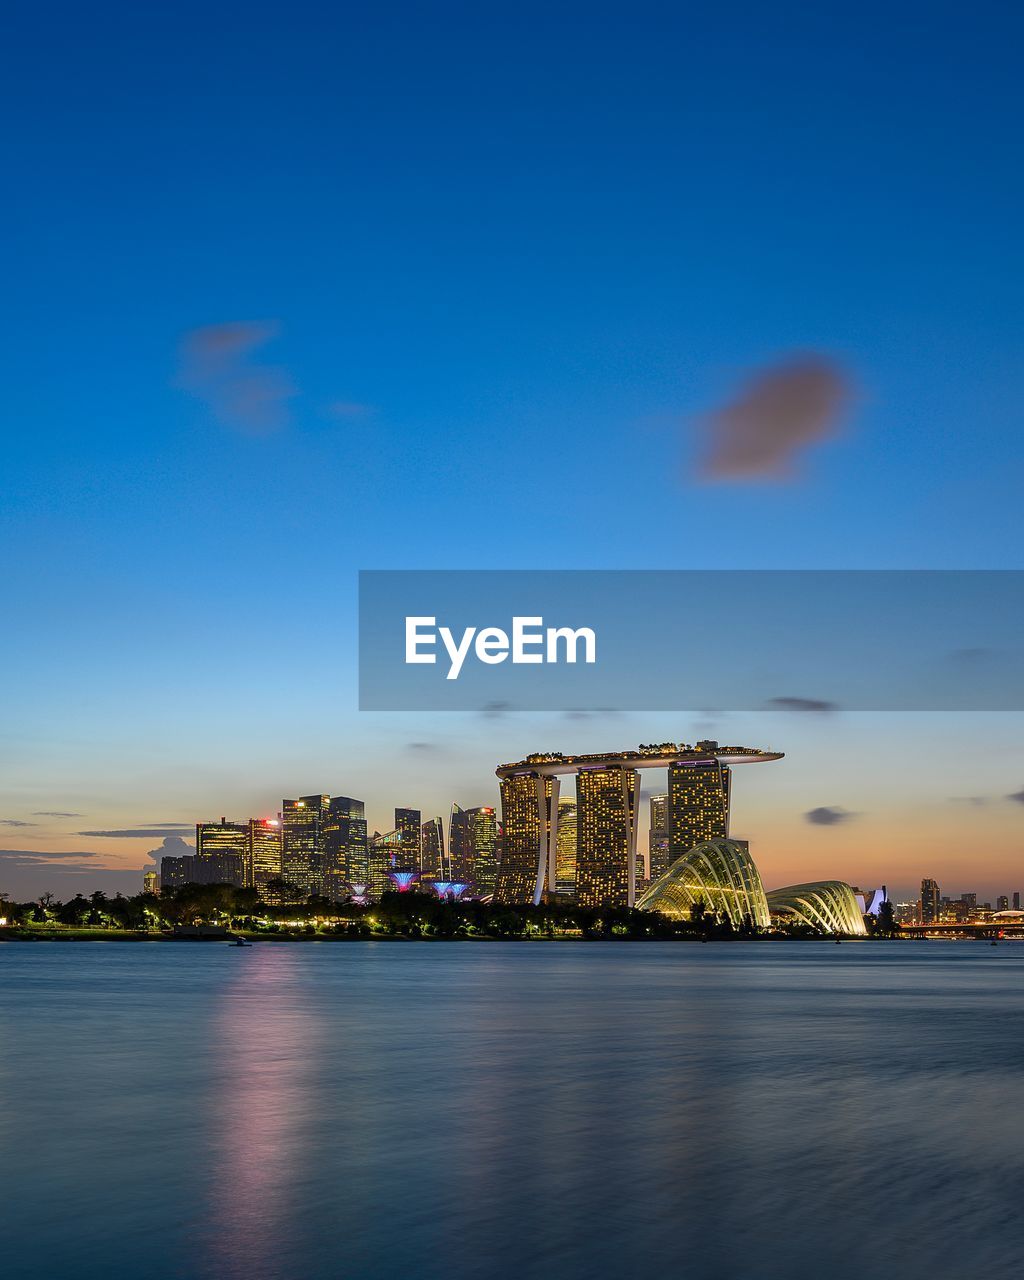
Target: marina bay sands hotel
606, 812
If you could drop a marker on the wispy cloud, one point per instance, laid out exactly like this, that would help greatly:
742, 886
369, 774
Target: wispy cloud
1017, 795
54, 813
828, 816
218, 364
153, 832
36, 857
817, 705
14, 822
777, 414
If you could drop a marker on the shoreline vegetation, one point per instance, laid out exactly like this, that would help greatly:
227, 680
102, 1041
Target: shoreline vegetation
222, 912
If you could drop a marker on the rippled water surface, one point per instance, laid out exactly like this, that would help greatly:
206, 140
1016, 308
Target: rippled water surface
511, 1110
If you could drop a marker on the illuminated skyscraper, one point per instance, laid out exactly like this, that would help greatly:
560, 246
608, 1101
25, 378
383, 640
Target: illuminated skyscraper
658, 844
221, 852
408, 823
263, 852
483, 845
606, 818
434, 856
929, 901
302, 853
150, 882
346, 849
698, 804
529, 813
460, 852
565, 848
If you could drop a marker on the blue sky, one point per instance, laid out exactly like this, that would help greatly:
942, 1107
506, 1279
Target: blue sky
508, 257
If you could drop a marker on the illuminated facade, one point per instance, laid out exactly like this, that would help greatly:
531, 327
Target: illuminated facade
302, 843
150, 882
929, 911
384, 853
408, 823
473, 847
434, 855
697, 810
828, 906
263, 853
346, 848
221, 849
565, 849
721, 876
698, 804
529, 812
606, 829
658, 859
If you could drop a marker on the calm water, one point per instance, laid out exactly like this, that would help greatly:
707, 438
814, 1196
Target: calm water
509, 1110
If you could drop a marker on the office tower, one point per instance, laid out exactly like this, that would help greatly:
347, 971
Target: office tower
698, 804
408, 823
1016, 900
263, 853
434, 859
150, 882
221, 852
658, 842
302, 843
473, 848
606, 827
460, 853
529, 820
1002, 902
346, 848
177, 871
483, 846
929, 901
565, 849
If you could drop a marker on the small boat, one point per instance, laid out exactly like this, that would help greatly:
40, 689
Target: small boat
240, 942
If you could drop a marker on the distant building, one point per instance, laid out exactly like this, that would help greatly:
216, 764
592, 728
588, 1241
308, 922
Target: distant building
529, 808
698, 803
970, 900
433, 855
386, 857
408, 823
929, 901
606, 830
221, 852
177, 871
302, 843
1002, 902
658, 842
565, 849
473, 848
263, 853
150, 882
1016, 900
346, 848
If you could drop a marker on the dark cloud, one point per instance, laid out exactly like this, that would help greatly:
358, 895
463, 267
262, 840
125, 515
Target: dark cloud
971, 655
41, 855
14, 822
828, 816
818, 705
172, 847
775, 415
217, 365
54, 813
152, 832
1017, 795
495, 710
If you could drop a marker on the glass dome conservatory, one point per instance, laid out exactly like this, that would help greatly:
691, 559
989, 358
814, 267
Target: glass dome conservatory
718, 873
828, 905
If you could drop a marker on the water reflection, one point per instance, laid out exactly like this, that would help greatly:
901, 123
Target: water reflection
262, 1113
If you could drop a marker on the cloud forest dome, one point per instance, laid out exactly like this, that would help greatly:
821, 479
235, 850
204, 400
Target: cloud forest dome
718, 873
828, 905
